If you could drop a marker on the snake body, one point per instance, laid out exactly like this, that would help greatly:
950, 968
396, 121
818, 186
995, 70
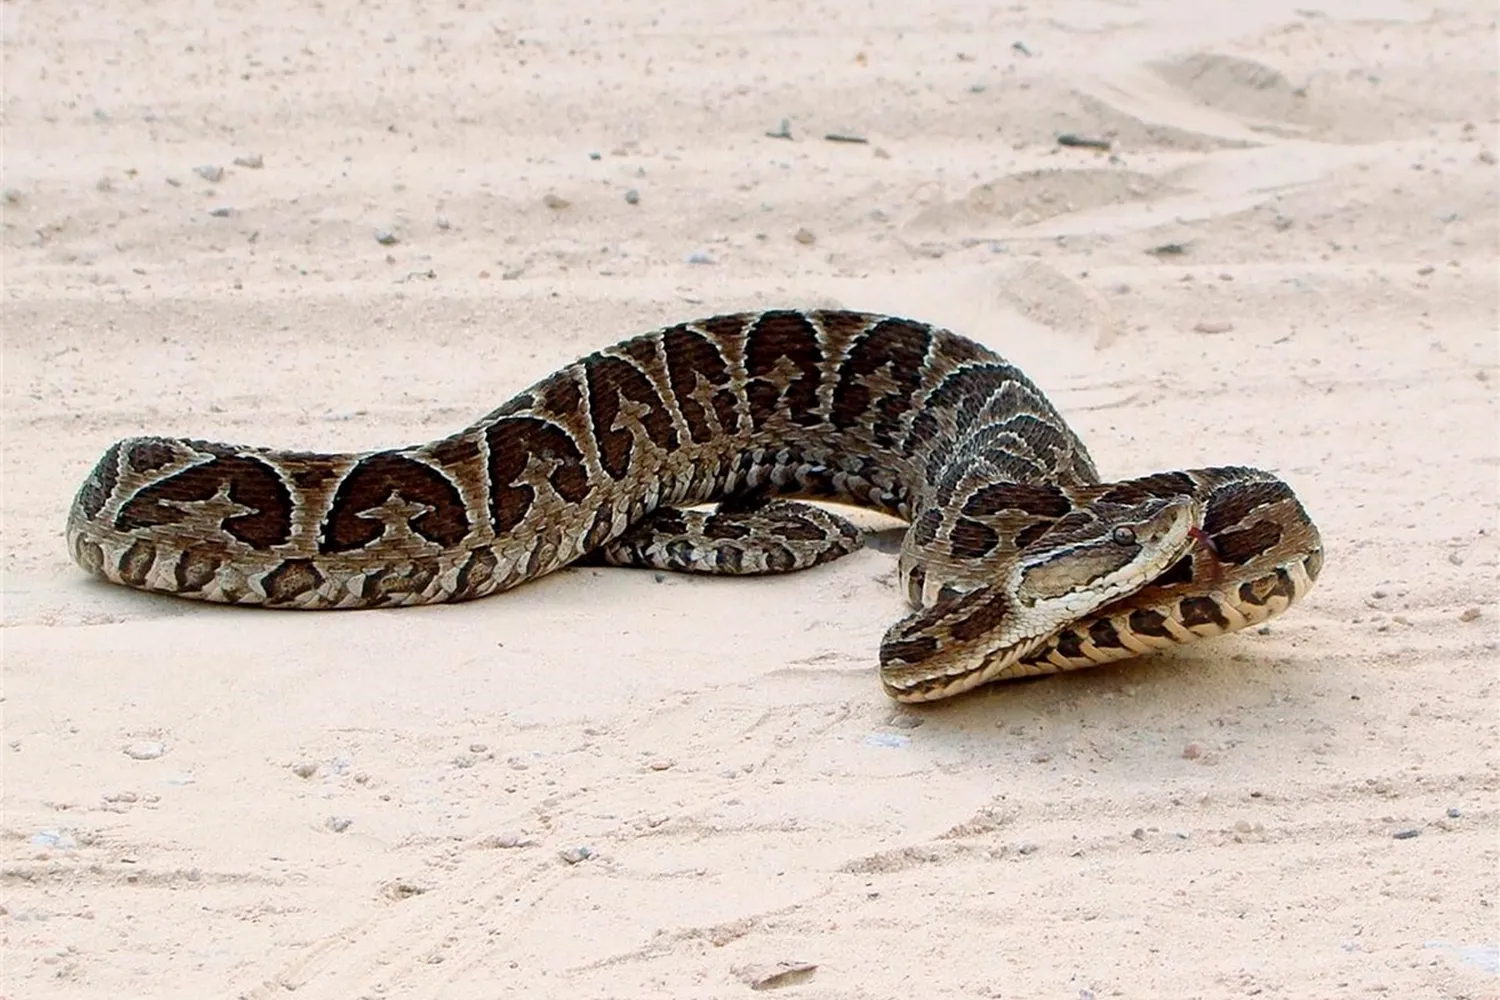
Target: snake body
1018, 560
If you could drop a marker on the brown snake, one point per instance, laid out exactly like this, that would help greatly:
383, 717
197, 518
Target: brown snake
1018, 560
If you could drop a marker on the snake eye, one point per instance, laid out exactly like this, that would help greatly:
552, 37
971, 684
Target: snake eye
1122, 536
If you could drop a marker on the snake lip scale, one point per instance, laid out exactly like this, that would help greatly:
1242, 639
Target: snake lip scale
1019, 560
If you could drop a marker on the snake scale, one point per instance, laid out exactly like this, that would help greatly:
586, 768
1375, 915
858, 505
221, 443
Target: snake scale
1018, 560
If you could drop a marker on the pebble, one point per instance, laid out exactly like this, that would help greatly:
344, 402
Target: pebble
338, 824
1454, 812
805, 237
1456, 558
478, 748
386, 238
1192, 751
253, 161
442, 222
1405, 834
573, 855
506, 840
211, 172
905, 720
661, 764
305, 768
632, 197
1213, 326
223, 212
775, 975
1028, 848
54, 838
1470, 614
145, 750
555, 202
699, 257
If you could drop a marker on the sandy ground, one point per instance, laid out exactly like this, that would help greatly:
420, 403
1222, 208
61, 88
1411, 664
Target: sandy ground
395, 804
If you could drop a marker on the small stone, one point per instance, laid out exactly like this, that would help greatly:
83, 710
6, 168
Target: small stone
555, 202
1456, 558
211, 172
1425, 270
1470, 614
505, 841
1243, 826
386, 238
463, 761
805, 236
661, 765
775, 975
573, 855
1405, 834
305, 768
338, 824
632, 197
1027, 848
478, 748
12, 196
906, 720
1192, 751
145, 750
252, 161
1454, 812
442, 222
699, 257
1213, 326
1139, 833
104, 185
222, 212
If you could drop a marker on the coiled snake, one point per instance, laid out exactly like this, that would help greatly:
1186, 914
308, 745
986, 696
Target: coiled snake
1018, 559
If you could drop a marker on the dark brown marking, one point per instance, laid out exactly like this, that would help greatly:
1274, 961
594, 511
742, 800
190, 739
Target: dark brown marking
927, 526
1102, 633
197, 567
513, 443
558, 395
101, 482
610, 380
972, 540
776, 335
779, 558
1070, 644
137, 562
291, 580
907, 650
1314, 564
694, 365
477, 571
980, 611
1231, 506
1038, 500
375, 481
1202, 611
1148, 622
720, 527
1180, 572
1239, 547
793, 526
900, 347
1162, 485
151, 454
456, 450
248, 481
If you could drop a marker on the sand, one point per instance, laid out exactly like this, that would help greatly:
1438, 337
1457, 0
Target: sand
607, 785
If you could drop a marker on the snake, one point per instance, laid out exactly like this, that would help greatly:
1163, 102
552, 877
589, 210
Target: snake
717, 446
